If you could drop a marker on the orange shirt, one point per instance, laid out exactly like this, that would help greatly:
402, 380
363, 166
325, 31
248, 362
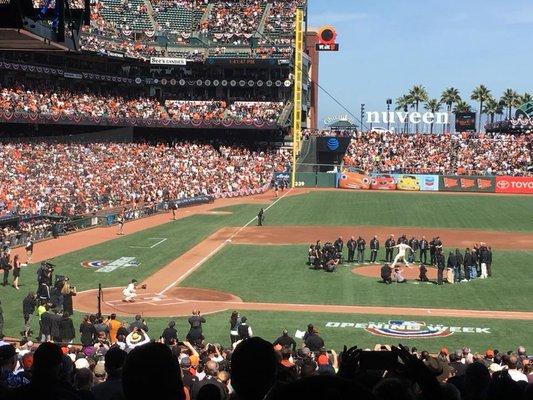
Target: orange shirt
113, 329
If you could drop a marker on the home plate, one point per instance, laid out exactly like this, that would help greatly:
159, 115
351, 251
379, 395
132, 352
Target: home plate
157, 298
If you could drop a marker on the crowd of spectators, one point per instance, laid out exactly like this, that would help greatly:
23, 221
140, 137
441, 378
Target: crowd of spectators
234, 21
184, 110
113, 24
42, 99
460, 153
75, 179
126, 360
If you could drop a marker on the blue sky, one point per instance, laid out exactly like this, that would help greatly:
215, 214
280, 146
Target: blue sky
387, 46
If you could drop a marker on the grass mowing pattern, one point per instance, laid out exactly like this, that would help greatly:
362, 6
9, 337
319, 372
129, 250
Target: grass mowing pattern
279, 274
496, 213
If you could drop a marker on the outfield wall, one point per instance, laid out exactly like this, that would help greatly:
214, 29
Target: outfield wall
442, 183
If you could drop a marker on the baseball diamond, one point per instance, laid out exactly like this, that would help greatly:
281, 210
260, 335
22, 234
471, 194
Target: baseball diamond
191, 209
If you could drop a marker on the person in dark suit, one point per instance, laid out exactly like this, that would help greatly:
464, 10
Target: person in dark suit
423, 245
361, 244
483, 260
260, 217
389, 248
459, 262
386, 274
5, 266
423, 273
339, 245
285, 341
46, 325
29, 304
351, 245
432, 252
489, 261
452, 264
66, 328
170, 334
312, 339
467, 263
439, 258
55, 326
413, 243
374, 248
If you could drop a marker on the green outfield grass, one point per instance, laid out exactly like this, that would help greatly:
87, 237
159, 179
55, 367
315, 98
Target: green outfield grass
279, 274
503, 335
497, 213
180, 236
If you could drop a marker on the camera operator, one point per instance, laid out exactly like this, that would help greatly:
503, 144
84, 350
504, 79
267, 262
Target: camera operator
331, 257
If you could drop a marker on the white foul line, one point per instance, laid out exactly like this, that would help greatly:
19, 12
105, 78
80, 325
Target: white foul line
228, 240
152, 246
158, 243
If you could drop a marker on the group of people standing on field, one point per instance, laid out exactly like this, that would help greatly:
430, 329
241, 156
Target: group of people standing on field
475, 262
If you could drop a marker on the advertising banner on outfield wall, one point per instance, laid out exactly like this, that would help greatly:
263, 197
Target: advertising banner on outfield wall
454, 183
352, 179
514, 184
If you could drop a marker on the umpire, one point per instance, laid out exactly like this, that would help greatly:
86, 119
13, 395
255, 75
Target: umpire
261, 217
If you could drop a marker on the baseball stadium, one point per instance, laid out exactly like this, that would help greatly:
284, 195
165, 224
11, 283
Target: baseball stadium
187, 208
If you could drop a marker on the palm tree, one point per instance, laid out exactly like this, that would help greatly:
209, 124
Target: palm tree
402, 104
462, 107
418, 94
491, 108
525, 98
432, 105
510, 99
481, 94
450, 96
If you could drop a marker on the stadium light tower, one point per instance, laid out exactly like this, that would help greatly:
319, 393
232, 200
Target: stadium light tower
389, 102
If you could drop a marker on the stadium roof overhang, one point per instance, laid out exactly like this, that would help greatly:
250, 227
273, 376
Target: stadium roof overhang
21, 39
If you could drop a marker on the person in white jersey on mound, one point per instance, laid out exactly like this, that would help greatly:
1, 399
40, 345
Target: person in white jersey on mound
401, 256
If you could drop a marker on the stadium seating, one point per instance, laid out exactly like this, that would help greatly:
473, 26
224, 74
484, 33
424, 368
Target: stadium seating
226, 23
461, 154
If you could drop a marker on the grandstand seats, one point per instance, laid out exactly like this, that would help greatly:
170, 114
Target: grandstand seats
74, 179
461, 154
226, 23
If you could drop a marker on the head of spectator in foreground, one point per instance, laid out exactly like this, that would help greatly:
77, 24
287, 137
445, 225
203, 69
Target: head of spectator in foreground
253, 369
8, 358
47, 363
152, 366
114, 361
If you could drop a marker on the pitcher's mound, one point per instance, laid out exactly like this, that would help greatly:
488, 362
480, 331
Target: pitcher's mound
374, 271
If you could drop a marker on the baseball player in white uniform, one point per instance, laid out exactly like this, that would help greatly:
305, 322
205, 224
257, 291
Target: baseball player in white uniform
130, 292
402, 249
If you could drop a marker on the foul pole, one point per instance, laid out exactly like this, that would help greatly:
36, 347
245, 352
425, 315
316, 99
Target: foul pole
297, 85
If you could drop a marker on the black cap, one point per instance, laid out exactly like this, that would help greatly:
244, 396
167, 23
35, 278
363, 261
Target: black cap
6, 352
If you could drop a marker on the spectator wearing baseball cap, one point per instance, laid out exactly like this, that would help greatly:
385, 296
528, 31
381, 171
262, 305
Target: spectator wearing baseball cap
8, 362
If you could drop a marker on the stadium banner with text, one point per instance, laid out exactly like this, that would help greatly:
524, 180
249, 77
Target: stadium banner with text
167, 61
454, 183
514, 184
